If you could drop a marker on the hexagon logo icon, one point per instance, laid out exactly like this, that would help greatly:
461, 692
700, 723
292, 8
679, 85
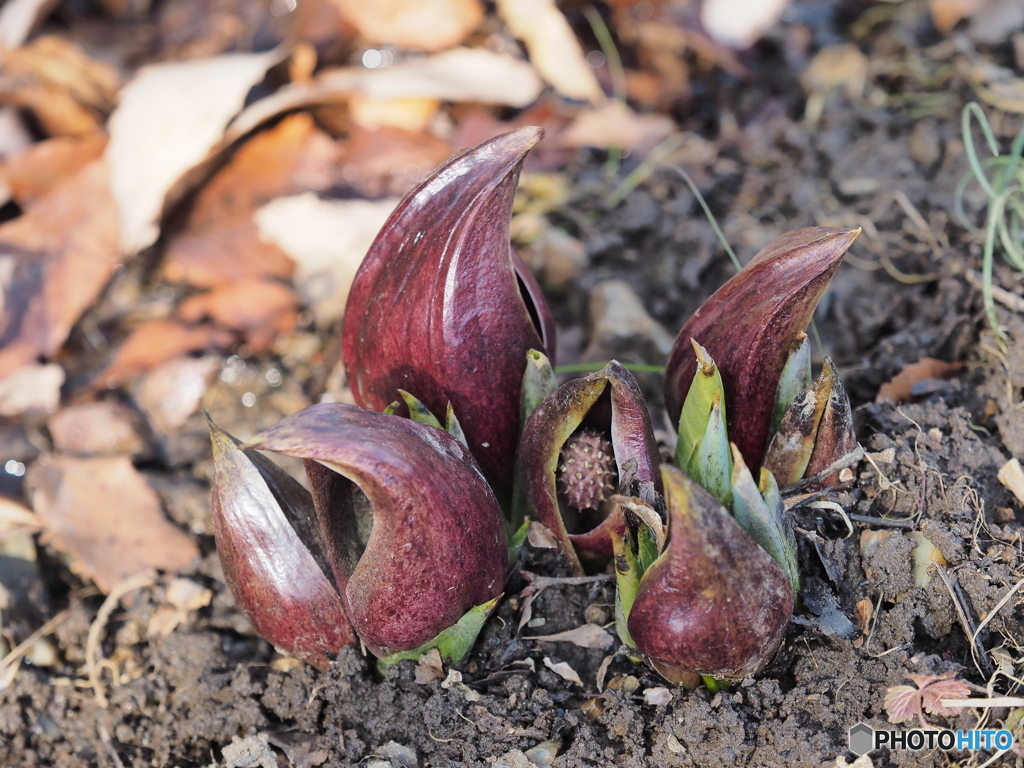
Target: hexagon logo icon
862, 738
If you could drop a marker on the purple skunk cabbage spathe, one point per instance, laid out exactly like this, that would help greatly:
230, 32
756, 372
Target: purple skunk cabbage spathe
714, 602
443, 308
589, 441
272, 556
413, 534
752, 324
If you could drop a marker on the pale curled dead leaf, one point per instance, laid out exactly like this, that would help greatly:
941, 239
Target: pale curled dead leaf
616, 125
739, 23
1011, 475
454, 680
171, 115
31, 388
429, 25
563, 670
540, 536
327, 240
554, 49
429, 667
657, 697
459, 75
585, 636
104, 515
18, 18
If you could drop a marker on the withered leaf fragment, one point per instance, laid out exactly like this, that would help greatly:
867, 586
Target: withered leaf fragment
752, 324
603, 409
272, 556
816, 431
714, 602
442, 307
413, 534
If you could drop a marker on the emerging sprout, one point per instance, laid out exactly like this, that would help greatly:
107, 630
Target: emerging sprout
592, 439
442, 306
412, 535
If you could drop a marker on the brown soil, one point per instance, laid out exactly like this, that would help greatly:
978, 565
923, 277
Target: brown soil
212, 692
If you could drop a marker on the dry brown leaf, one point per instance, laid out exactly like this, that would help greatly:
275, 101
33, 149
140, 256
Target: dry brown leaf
32, 173
224, 253
429, 668
554, 49
430, 25
101, 512
390, 161
31, 389
95, 429
293, 156
157, 342
260, 309
70, 93
58, 271
171, 116
864, 611
563, 670
901, 388
220, 243
170, 392
585, 636
327, 240
616, 125
946, 14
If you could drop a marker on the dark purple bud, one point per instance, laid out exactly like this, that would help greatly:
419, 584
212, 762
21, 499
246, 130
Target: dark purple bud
714, 603
591, 440
752, 324
442, 307
272, 556
413, 533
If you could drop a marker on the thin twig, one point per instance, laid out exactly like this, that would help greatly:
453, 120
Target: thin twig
999, 607
980, 655
16, 654
841, 463
885, 522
